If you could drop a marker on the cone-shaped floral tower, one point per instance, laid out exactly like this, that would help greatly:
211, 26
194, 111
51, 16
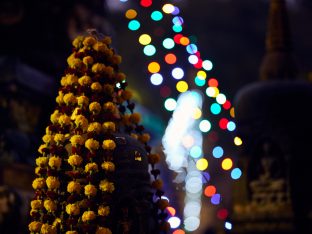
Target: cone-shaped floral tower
92, 168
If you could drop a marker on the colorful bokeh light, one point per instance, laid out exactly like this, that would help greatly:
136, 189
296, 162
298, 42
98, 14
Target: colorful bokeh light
134, 25
202, 164
131, 14
182, 86
149, 50
227, 164
145, 39
153, 67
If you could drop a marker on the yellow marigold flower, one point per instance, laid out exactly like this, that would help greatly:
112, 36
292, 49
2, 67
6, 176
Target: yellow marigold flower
38, 183
35, 226
48, 131
163, 204
47, 139
57, 222
116, 59
107, 40
37, 171
72, 209
64, 120
107, 186
75, 63
126, 119
64, 81
81, 122
84, 80
77, 42
108, 145
59, 98
71, 232
89, 41
92, 144
98, 68
135, 136
74, 160
88, 60
82, 101
109, 107
52, 182
77, 140
75, 113
55, 116
108, 89
135, 118
109, 127
55, 162
59, 138
36, 204
71, 79
96, 87
91, 167
103, 230
108, 166
70, 99
50, 205
120, 77
42, 161
103, 210
157, 184
90, 190
126, 94
88, 215
153, 158
95, 127
73, 186
144, 138
95, 107
100, 46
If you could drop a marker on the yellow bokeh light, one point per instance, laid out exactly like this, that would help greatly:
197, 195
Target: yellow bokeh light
184, 41
232, 112
168, 8
238, 141
182, 86
212, 91
227, 164
202, 75
202, 164
153, 67
131, 14
197, 113
145, 39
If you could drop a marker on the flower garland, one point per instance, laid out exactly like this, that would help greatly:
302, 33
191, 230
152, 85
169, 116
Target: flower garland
75, 168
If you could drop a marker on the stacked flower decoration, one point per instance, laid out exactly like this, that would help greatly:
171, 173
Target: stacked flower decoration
75, 168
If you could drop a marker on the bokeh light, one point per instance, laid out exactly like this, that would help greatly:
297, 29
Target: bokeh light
217, 152
207, 65
191, 223
131, 14
191, 49
168, 8
171, 210
223, 123
179, 231
197, 113
238, 141
156, 79
177, 73
177, 20
231, 126
204, 125
153, 67
134, 25
170, 58
177, 28
201, 75
149, 50
202, 164
221, 98
215, 199
145, 39
193, 59
168, 43
213, 82
182, 86
228, 225
227, 164
170, 104
156, 15
196, 151
146, 3
174, 222
222, 214
188, 141
210, 190
215, 108
236, 173
199, 82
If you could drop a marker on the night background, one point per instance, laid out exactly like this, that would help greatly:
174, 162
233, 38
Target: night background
274, 121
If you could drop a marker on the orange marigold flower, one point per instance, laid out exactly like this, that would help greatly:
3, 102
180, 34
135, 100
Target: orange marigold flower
103, 230
38, 183
55, 162
109, 127
144, 138
107, 186
89, 41
50, 205
116, 59
92, 144
77, 140
64, 120
103, 210
81, 122
35, 226
73, 186
59, 138
120, 77
36, 204
126, 94
84, 80
108, 145
91, 167
108, 166
52, 182
95, 107
77, 42
55, 116
157, 184
109, 107
88, 215
100, 46
74, 160
72, 209
96, 87
153, 158
69, 99
107, 40
135, 118
90, 190
108, 89
163, 204
94, 127
47, 139
42, 161
88, 60
98, 68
